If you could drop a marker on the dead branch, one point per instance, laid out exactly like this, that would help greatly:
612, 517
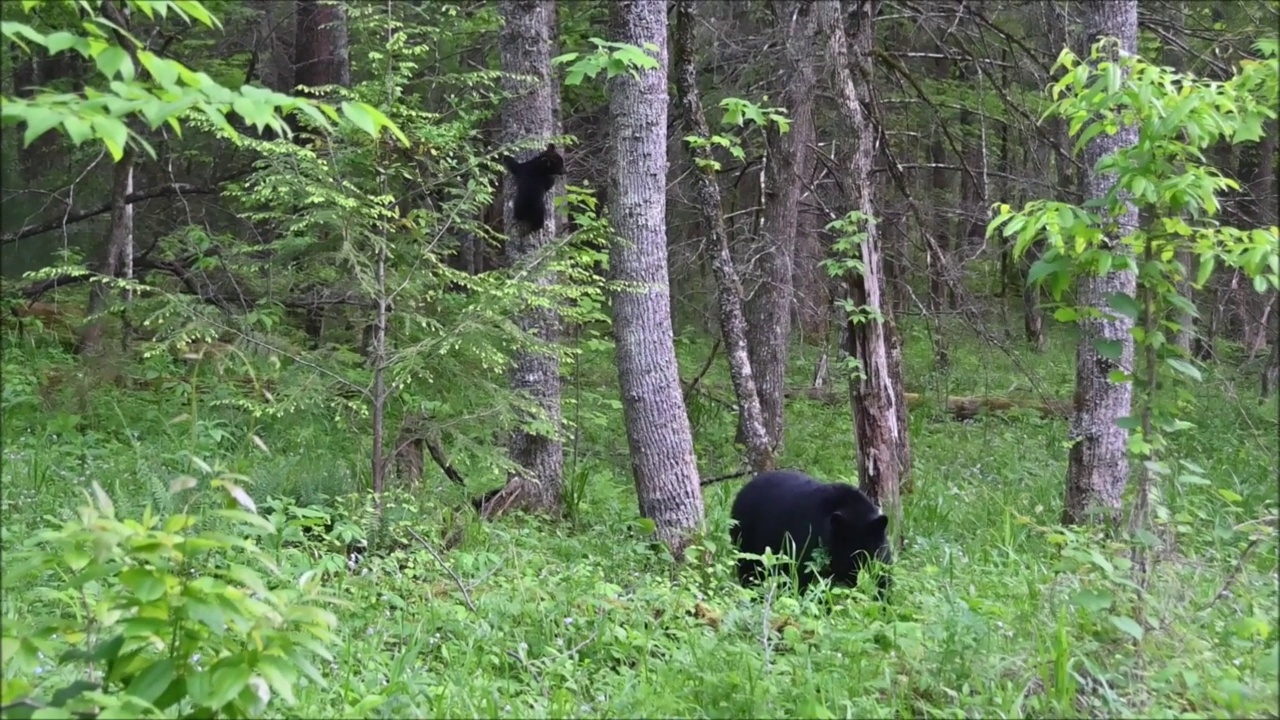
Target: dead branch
76, 216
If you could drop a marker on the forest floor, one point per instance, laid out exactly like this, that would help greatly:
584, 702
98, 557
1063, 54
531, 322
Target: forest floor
997, 611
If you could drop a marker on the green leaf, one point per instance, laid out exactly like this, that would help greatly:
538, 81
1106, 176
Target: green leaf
113, 133
359, 117
1092, 600
1128, 626
228, 680
114, 60
1229, 496
39, 121
161, 69
1184, 367
1066, 314
196, 9
1042, 268
1205, 270
1124, 304
154, 680
62, 40
145, 584
77, 130
1110, 349
280, 675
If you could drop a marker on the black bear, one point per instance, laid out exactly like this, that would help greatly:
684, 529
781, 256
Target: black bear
835, 516
534, 177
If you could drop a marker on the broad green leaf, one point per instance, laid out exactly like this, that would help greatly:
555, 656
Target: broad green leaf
161, 69
1203, 272
359, 117
1043, 268
1125, 305
229, 679
154, 680
62, 40
1092, 600
114, 61
1128, 626
39, 121
1065, 314
114, 134
77, 129
196, 10
1110, 349
145, 584
1184, 367
16, 31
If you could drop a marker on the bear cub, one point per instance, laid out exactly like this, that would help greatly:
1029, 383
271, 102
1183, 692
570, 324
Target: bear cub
534, 178
838, 517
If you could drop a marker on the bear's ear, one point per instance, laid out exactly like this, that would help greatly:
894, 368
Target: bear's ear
879, 524
839, 519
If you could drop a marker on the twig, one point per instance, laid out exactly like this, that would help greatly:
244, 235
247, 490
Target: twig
693, 384
730, 476
466, 597
1235, 573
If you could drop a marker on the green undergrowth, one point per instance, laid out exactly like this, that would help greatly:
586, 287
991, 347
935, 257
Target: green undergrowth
997, 610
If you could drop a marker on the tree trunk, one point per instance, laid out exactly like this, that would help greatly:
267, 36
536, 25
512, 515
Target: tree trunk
1098, 463
1271, 371
1173, 57
733, 326
658, 433
940, 194
526, 49
119, 251
876, 396
789, 161
119, 247
321, 55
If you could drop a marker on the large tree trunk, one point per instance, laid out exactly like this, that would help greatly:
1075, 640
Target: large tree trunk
733, 326
321, 55
658, 432
1098, 463
876, 396
530, 111
789, 161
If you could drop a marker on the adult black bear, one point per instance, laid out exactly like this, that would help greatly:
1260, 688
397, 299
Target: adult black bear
534, 177
834, 516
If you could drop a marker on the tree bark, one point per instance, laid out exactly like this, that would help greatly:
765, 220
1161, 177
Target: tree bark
940, 187
1098, 463
658, 433
118, 254
526, 49
1271, 371
733, 326
789, 161
876, 395
321, 54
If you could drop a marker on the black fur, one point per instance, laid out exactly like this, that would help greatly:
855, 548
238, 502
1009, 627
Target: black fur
835, 516
534, 178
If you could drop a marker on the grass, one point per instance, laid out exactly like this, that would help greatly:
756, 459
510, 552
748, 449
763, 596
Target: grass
997, 611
